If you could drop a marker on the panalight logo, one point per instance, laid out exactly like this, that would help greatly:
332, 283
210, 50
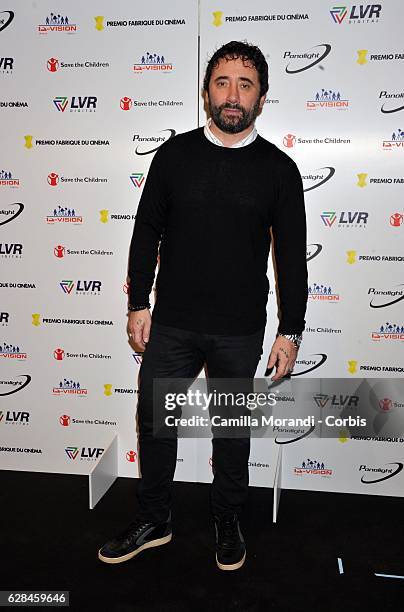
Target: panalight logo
125, 103
381, 298
7, 180
313, 250
57, 23
151, 141
217, 18
6, 17
59, 251
396, 141
391, 96
11, 351
385, 472
317, 178
10, 386
137, 179
8, 213
306, 59
305, 365
152, 62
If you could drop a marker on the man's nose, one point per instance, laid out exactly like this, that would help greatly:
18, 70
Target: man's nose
233, 93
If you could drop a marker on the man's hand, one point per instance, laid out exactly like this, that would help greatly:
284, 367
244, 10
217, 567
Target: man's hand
139, 323
283, 354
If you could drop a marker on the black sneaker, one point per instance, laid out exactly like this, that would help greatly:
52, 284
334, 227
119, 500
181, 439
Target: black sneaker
138, 536
230, 546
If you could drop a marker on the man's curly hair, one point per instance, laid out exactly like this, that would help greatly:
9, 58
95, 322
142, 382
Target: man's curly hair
247, 53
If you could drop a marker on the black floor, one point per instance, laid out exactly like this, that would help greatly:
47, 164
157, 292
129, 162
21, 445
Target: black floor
50, 541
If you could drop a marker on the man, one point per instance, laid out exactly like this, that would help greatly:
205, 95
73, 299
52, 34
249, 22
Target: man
212, 231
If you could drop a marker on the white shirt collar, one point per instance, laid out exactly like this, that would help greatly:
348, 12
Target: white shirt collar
241, 143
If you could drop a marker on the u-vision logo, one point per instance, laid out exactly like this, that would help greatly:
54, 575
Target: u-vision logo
380, 470
313, 55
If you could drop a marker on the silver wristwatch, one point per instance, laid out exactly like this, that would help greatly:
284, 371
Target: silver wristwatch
295, 338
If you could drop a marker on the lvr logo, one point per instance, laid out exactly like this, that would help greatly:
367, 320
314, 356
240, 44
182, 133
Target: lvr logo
53, 179
88, 285
64, 420
131, 456
83, 102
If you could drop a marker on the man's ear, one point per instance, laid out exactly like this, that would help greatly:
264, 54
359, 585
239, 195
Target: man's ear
262, 101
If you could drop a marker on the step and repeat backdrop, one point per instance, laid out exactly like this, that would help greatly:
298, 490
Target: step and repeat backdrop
88, 92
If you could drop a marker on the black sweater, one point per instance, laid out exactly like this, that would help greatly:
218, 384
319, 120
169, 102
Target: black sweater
212, 208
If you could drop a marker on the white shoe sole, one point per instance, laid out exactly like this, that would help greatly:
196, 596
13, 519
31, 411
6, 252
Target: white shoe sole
234, 566
152, 544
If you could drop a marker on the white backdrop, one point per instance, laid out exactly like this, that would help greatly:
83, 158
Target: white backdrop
87, 93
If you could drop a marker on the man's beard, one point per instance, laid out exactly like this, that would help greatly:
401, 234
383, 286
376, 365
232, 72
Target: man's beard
237, 123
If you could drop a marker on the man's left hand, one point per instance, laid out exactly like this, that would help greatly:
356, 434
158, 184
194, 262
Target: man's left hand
283, 355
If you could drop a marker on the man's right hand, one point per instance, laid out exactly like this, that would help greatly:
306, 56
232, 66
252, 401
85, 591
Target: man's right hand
139, 324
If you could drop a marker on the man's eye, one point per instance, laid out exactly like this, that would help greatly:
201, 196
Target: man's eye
245, 85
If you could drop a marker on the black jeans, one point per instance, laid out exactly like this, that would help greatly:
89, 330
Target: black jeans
178, 353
